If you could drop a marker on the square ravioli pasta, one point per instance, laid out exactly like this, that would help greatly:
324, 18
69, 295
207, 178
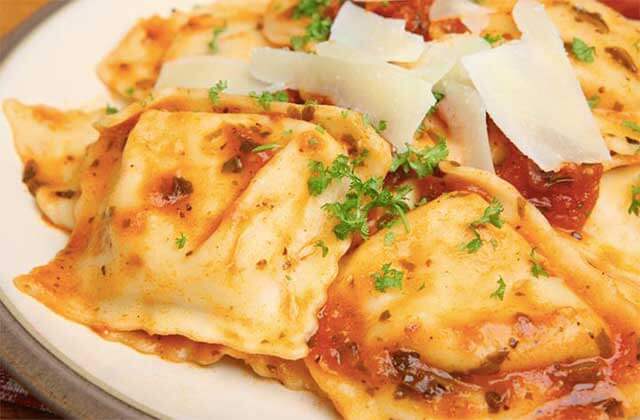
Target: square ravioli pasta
193, 221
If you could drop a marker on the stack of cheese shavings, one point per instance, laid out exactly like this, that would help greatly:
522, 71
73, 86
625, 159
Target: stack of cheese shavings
355, 70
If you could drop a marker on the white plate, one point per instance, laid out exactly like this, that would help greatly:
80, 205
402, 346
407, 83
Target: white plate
55, 65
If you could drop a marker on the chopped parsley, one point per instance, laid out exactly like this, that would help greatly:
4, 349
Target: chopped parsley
265, 98
631, 125
287, 132
499, 292
492, 39
288, 277
181, 241
382, 125
318, 30
439, 96
320, 129
582, 50
265, 147
423, 162
308, 8
214, 91
344, 113
323, 247
130, 91
537, 269
634, 208
387, 278
473, 245
593, 101
362, 196
110, 110
491, 215
213, 44
389, 238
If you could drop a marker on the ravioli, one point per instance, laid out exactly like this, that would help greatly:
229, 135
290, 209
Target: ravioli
51, 144
466, 334
228, 28
610, 235
126, 268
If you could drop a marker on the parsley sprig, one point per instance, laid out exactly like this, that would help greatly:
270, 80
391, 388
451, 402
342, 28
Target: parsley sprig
181, 241
631, 125
423, 162
213, 44
491, 215
362, 197
499, 292
582, 50
214, 91
265, 98
537, 269
387, 278
634, 208
318, 29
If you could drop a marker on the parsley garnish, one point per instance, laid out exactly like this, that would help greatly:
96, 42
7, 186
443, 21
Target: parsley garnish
387, 278
536, 268
214, 91
111, 110
423, 162
288, 277
361, 198
582, 51
320, 129
265, 147
593, 101
344, 113
439, 96
213, 44
492, 39
632, 125
389, 237
309, 8
265, 98
318, 30
491, 215
130, 91
473, 245
323, 247
499, 292
634, 208
382, 125
181, 241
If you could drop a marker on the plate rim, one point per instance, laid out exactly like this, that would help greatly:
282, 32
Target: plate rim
22, 355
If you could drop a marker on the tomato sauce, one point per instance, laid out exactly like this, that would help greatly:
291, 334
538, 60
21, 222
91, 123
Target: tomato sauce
414, 12
583, 388
565, 197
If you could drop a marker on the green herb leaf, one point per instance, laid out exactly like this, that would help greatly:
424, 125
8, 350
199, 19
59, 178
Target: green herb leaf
308, 8
213, 44
288, 277
130, 91
111, 110
439, 96
344, 113
323, 247
473, 245
389, 238
634, 208
423, 162
181, 241
537, 269
631, 125
492, 39
318, 30
265, 98
387, 278
214, 91
582, 51
491, 215
499, 292
593, 101
265, 147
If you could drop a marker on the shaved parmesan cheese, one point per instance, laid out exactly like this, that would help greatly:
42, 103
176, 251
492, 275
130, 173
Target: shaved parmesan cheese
380, 90
473, 16
205, 71
343, 52
439, 57
465, 115
383, 38
515, 81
